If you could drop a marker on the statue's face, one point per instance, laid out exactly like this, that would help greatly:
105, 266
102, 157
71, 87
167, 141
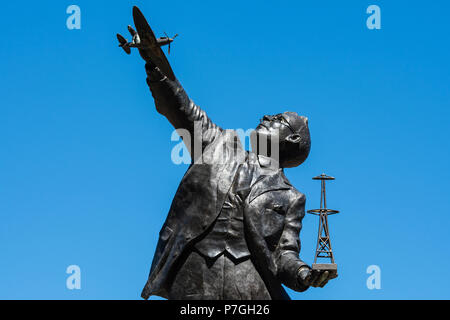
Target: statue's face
293, 136
282, 124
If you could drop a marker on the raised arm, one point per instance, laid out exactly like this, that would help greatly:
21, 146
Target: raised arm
172, 101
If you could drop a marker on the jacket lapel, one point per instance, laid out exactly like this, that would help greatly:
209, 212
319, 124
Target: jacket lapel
233, 156
271, 178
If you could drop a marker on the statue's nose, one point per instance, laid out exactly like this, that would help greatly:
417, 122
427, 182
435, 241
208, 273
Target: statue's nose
305, 120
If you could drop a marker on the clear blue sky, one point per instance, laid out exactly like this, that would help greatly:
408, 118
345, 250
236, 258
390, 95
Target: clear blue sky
85, 170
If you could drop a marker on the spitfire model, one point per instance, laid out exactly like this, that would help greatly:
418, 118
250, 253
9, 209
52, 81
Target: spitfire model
148, 45
136, 41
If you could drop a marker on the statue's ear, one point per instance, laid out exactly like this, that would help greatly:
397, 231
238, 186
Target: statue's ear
294, 138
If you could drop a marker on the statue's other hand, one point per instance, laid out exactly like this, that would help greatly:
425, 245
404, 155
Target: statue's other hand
314, 278
320, 278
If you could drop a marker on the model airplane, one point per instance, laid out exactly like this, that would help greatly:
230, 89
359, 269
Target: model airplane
136, 41
148, 45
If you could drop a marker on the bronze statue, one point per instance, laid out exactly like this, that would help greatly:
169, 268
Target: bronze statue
232, 231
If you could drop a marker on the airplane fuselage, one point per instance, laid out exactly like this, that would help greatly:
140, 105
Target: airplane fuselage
163, 41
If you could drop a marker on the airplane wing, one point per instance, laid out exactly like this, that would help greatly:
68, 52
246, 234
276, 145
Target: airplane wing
150, 50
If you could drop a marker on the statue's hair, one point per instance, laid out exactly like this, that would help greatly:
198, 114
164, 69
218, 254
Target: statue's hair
294, 154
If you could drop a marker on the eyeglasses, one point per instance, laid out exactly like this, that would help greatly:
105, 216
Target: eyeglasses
280, 118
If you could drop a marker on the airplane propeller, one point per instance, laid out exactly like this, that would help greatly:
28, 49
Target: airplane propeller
170, 39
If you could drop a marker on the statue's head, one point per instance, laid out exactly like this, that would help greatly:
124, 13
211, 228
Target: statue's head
293, 137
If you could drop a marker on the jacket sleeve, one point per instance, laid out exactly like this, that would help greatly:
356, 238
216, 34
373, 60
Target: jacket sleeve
288, 249
185, 116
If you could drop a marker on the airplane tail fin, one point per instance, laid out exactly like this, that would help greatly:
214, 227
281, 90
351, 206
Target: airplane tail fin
123, 43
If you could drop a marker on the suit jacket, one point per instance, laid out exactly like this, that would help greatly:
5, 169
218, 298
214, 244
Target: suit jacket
273, 208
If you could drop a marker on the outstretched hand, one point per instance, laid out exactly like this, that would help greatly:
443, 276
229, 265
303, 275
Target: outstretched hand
314, 278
